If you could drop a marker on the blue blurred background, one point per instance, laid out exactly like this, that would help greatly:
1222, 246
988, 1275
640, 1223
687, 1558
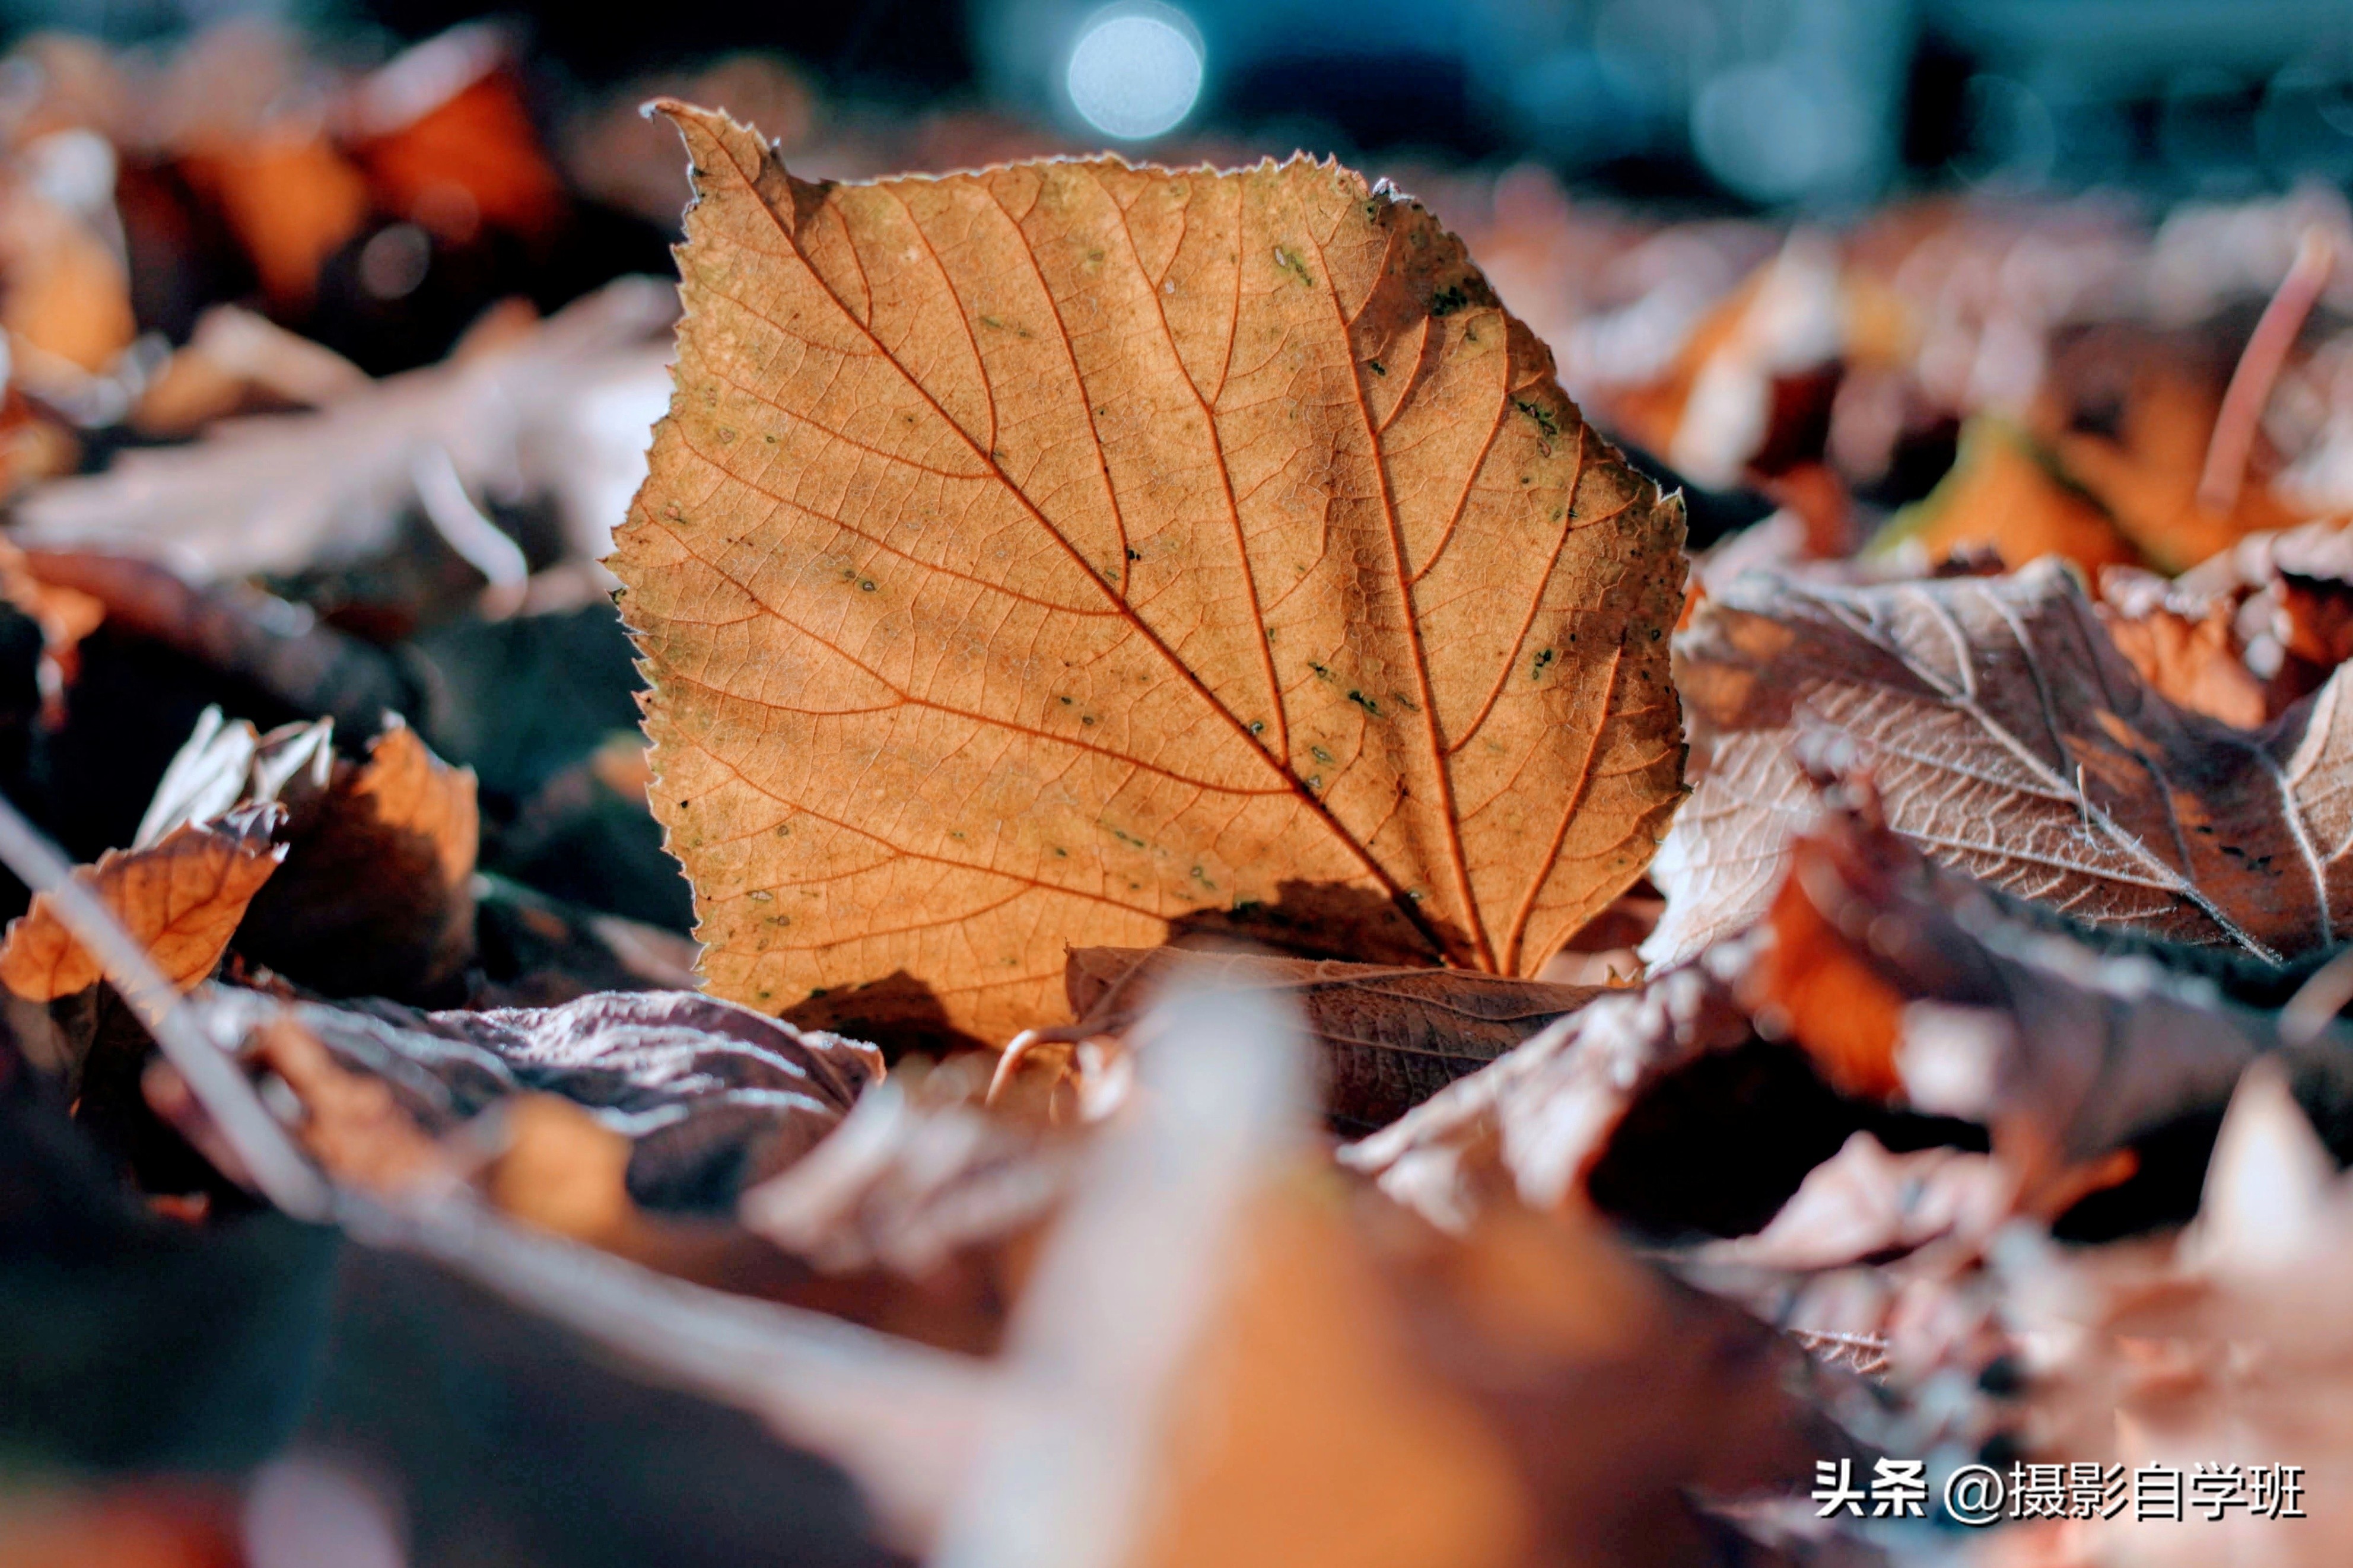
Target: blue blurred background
1818, 105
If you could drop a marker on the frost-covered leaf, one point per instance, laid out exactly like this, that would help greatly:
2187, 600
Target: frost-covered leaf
2011, 742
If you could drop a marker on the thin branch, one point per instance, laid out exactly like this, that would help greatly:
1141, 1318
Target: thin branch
190, 1041
901, 1417
2259, 366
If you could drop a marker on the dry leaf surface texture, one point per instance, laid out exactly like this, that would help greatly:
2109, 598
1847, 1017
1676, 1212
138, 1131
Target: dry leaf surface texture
2013, 742
1046, 555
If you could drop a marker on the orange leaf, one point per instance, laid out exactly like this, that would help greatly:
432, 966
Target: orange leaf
2004, 493
1050, 554
1812, 985
2193, 662
292, 201
181, 896
2148, 478
446, 140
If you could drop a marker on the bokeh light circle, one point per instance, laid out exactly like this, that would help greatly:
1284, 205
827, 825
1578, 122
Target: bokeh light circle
1135, 70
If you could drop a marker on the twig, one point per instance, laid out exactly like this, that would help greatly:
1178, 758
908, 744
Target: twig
2317, 1002
904, 1420
901, 1417
189, 1040
2259, 366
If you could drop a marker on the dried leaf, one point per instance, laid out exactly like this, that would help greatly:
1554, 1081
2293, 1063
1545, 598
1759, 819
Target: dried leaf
2225, 1347
181, 897
66, 615
1747, 394
67, 303
1308, 1432
2293, 593
2006, 494
2011, 742
447, 143
912, 1178
295, 492
1864, 1201
378, 894
2065, 1055
1390, 1039
237, 361
376, 897
1151, 543
2186, 650
291, 198
1900, 984
352, 1124
712, 1096
224, 763
2149, 478
564, 1170
1528, 1393
1541, 1115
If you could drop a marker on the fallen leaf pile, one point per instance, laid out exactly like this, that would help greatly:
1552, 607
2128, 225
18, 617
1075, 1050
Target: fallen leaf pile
1098, 863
